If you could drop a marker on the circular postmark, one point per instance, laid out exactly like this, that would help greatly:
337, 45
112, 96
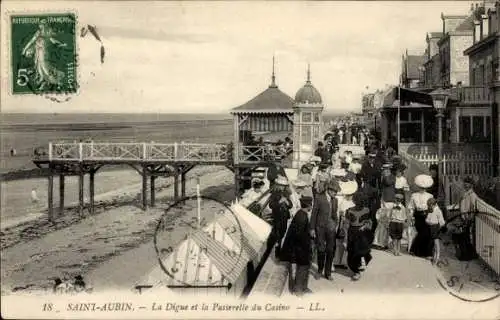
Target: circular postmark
468, 253
199, 243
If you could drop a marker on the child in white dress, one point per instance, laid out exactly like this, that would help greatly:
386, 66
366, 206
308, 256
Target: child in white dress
381, 236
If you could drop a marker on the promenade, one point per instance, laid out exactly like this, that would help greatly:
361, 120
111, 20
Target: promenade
402, 275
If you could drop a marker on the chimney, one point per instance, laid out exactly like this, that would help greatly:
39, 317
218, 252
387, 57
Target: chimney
485, 25
477, 31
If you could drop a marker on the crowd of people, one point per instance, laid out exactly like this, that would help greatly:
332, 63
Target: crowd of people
340, 204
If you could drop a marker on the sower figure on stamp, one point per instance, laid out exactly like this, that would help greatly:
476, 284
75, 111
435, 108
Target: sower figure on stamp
324, 224
37, 47
297, 248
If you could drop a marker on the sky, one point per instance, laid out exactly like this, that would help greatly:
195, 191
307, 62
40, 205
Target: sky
204, 57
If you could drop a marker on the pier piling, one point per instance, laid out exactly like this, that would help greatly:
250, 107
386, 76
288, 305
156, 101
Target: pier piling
144, 188
50, 197
92, 191
183, 184
176, 183
153, 178
61, 194
81, 177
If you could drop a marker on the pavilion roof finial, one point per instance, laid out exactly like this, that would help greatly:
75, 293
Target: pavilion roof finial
273, 77
308, 72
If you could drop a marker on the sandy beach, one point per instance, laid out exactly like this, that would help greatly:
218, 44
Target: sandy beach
82, 247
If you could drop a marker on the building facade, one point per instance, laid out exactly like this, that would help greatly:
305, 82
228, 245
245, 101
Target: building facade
432, 64
457, 36
480, 122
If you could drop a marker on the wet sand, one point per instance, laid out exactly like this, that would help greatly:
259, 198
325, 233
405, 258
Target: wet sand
85, 246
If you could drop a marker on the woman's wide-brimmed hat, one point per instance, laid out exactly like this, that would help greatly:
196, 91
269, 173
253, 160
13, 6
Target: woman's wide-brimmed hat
424, 181
338, 172
282, 181
348, 188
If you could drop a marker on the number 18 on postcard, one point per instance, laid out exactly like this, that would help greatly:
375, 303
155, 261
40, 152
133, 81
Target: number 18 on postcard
44, 57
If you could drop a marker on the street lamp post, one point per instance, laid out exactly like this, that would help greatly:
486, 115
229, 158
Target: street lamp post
439, 100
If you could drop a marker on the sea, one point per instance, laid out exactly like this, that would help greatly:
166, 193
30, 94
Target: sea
25, 132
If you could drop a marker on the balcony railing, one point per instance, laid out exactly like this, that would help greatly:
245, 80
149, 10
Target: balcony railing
263, 153
472, 95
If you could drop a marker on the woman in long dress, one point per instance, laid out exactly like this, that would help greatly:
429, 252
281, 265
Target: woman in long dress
37, 47
358, 225
422, 245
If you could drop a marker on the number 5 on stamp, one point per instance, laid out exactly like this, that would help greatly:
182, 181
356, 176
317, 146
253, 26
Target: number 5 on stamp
43, 51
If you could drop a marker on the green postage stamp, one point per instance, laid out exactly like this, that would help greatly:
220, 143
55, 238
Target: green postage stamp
43, 51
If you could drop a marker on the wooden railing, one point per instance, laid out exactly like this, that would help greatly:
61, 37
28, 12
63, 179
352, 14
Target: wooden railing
472, 94
460, 164
487, 224
262, 153
98, 151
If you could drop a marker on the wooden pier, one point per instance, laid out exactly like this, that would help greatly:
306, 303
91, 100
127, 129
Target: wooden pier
150, 160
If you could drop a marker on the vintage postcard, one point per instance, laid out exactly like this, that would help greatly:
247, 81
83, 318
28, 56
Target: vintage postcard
264, 159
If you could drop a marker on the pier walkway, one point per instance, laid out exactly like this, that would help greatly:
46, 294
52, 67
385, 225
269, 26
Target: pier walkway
150, 160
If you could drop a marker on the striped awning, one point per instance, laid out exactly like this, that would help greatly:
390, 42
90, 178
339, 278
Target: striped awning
266, 122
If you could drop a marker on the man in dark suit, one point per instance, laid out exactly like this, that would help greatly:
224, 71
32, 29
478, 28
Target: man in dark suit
322, 152
373, 202
297, 248
370, 171
324, 222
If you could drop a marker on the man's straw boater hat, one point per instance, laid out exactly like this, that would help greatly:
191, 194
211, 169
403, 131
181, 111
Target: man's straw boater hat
315, 159
348, 188
387, 165
282, 181
299, 183
424, 181
399, 196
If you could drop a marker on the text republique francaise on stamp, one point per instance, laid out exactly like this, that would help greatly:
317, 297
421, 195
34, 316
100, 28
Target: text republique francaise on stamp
43, 51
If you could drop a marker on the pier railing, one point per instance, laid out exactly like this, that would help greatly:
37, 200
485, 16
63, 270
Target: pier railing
158, 152
99, 151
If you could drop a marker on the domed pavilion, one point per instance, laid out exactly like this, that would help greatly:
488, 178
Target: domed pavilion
308, 122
